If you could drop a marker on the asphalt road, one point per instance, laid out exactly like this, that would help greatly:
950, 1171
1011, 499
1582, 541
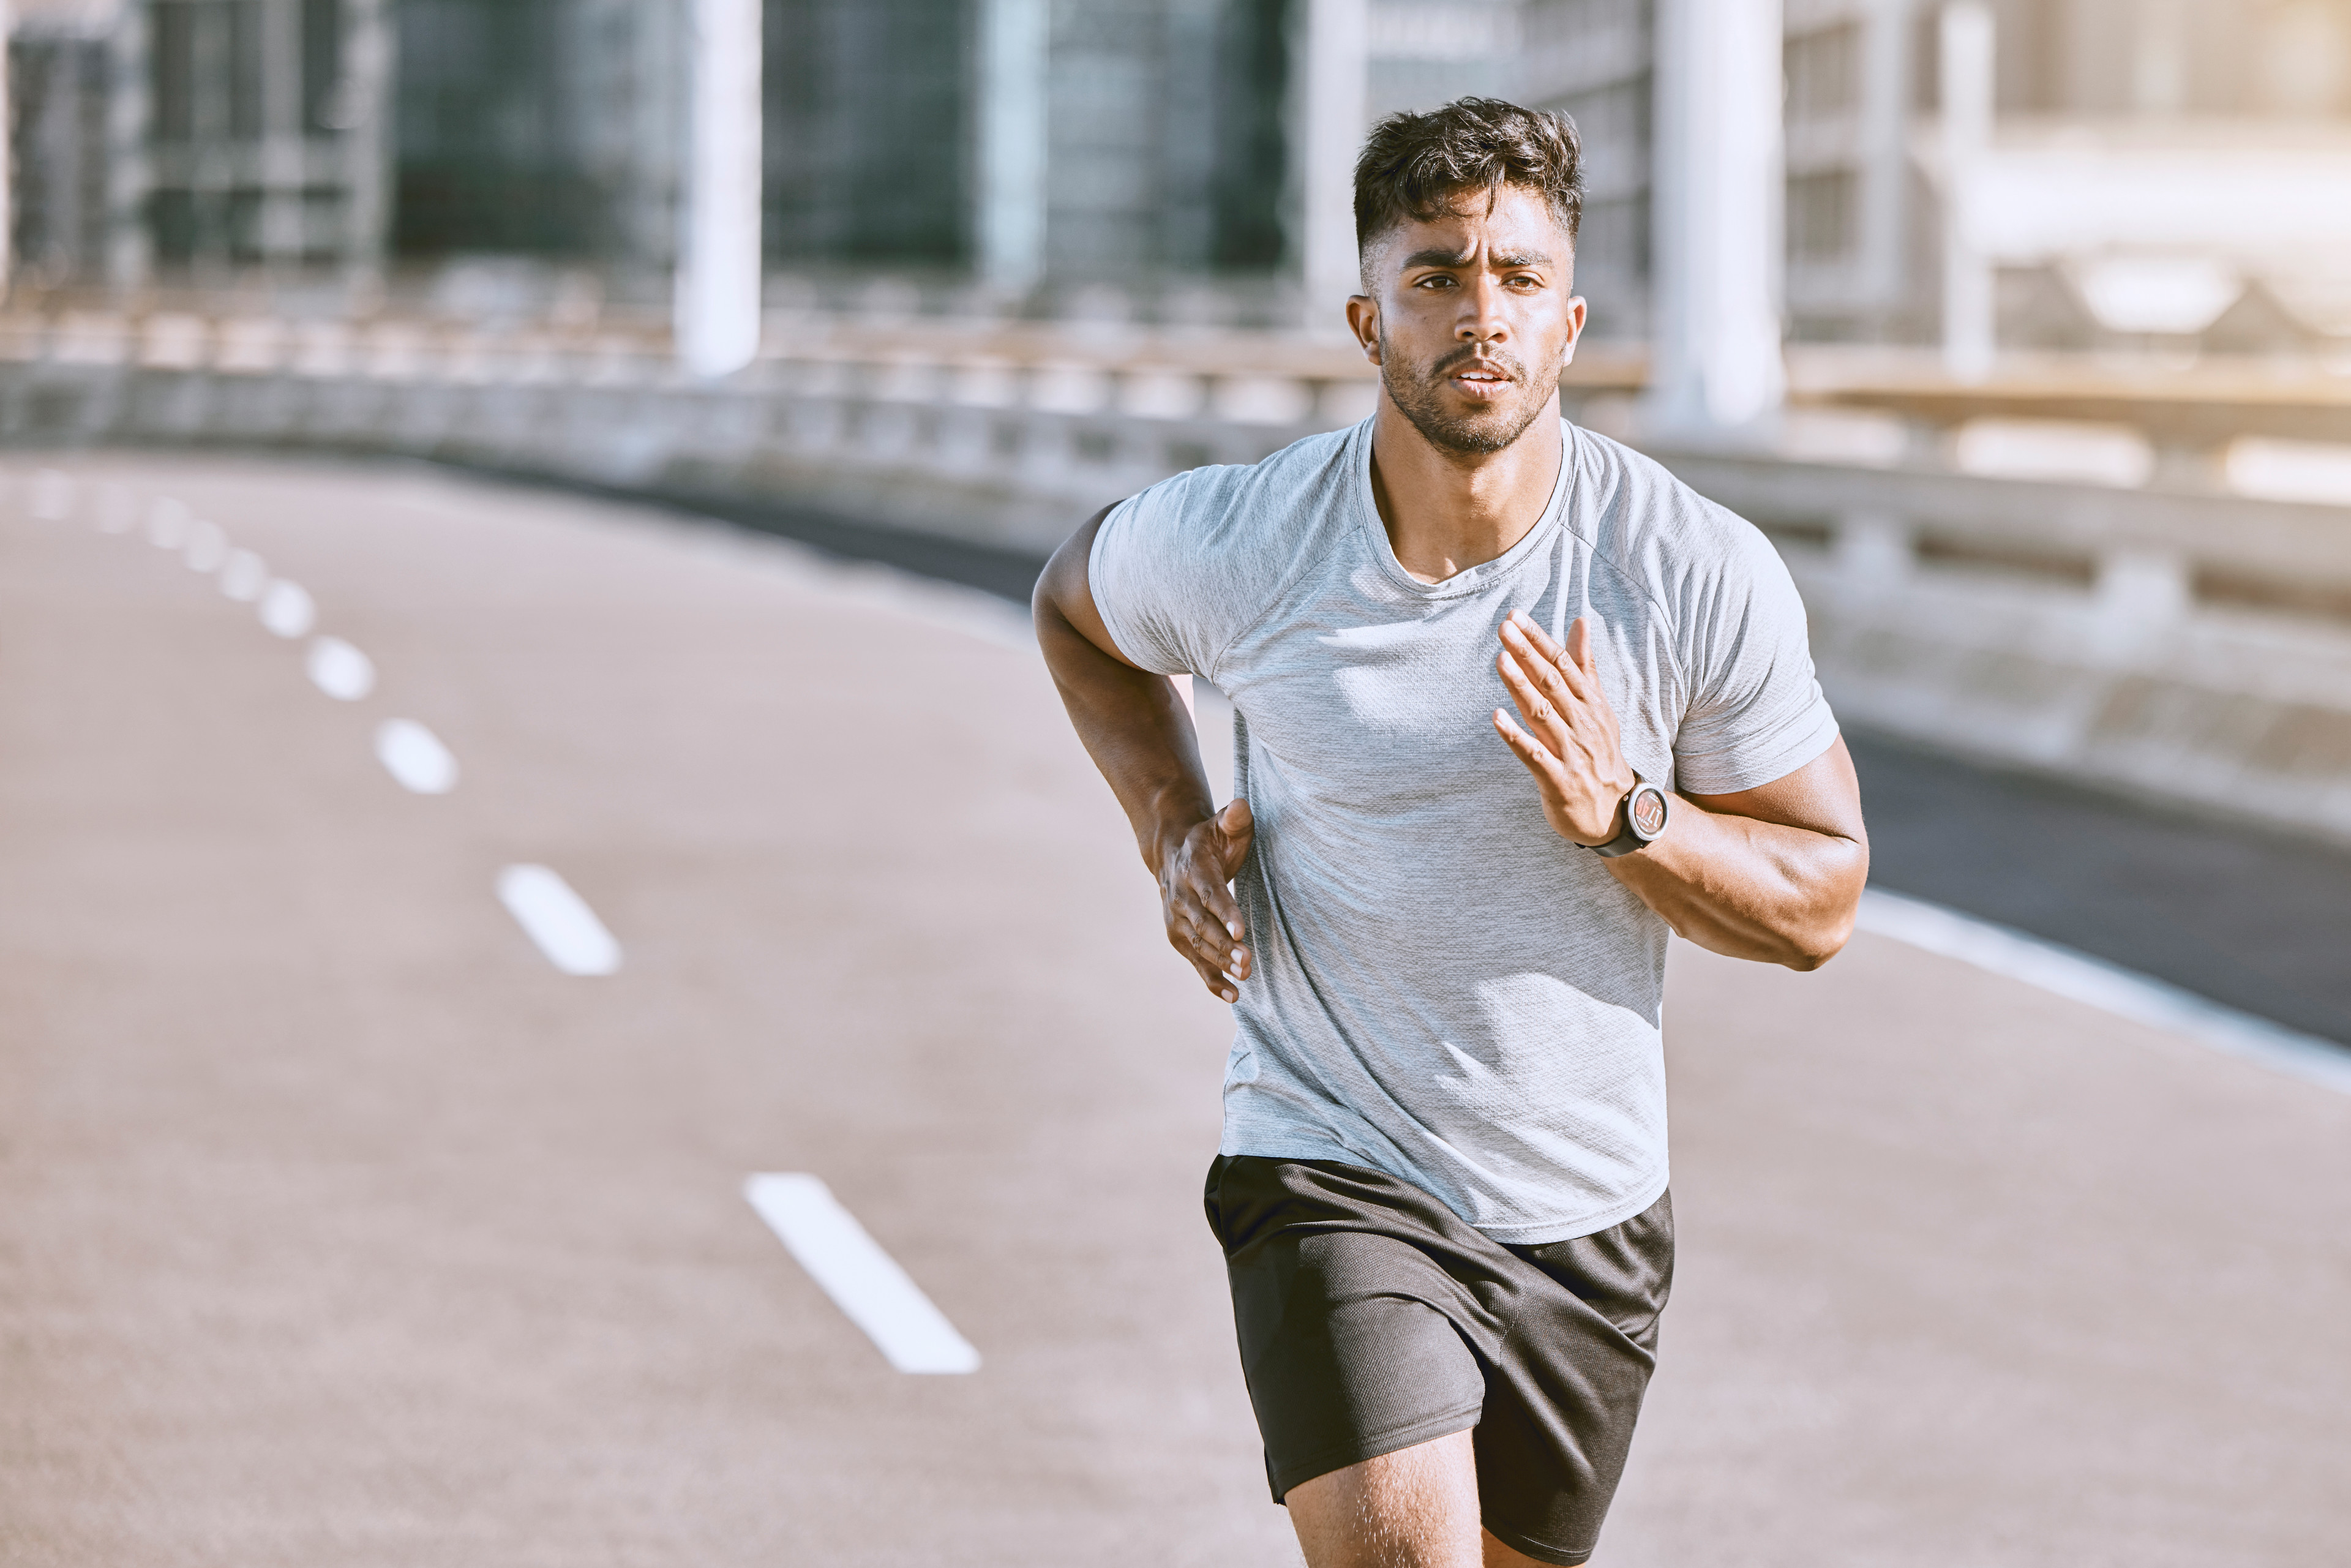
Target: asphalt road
340, 1226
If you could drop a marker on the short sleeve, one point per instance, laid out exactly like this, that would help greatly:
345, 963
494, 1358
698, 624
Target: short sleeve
1756, 712
1165, 576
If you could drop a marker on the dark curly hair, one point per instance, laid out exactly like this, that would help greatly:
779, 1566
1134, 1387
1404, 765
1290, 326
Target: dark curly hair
1417, 166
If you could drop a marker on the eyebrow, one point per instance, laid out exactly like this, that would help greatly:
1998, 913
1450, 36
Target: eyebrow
1454, 258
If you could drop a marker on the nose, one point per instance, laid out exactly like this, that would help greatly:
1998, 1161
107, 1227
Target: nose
1482, 315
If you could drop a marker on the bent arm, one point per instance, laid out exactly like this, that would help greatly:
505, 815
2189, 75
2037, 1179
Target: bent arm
1139, 732
1771, 873
1134, 724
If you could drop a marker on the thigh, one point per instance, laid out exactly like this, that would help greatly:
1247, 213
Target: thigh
1349, 1354
1354, 1334
1565, 1389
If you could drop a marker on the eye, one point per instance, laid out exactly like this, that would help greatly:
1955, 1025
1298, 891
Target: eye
1435, 280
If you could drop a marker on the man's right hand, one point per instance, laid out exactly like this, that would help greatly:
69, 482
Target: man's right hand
1203, 923
1139, 732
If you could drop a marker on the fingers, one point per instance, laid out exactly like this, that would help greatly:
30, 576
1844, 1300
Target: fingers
1219, 987
1199, 932
1223, 914
1545, 662
1204, 922
1533, 706
1540, 759
1543, 697
1221, 965
1579, 645
1524, 624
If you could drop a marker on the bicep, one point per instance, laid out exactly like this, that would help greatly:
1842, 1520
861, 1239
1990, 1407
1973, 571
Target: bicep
1064, 590
1822, 796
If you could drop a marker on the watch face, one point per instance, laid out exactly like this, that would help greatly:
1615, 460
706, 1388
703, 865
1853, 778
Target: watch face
1648, 812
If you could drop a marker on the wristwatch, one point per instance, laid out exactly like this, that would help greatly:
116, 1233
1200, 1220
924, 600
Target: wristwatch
1645, 810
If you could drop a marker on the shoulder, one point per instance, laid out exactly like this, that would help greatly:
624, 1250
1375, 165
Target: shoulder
1181, 569
1665, 539
1251, 519
1284, 493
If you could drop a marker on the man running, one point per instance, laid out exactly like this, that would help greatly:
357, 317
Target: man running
1511, 703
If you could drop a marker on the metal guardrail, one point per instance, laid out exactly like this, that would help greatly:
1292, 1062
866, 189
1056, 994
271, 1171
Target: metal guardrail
2180, 641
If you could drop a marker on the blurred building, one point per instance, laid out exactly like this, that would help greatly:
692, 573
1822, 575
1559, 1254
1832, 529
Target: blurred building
2173, 171
2169, 174
163, 141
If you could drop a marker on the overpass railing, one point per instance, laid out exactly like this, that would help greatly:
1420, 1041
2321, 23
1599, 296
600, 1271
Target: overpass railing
2167, 637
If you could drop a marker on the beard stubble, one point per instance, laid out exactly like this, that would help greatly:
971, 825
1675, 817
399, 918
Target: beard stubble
1418, 391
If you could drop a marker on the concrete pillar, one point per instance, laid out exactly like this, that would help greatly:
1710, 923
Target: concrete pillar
717, 301
1969, 320
1885, 174
129, 254
281, 129
1331, 65
1015, 39
1720, 197
362, 114
8, 159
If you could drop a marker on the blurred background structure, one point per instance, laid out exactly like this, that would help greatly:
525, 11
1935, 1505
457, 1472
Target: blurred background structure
2060, 174
2024, 326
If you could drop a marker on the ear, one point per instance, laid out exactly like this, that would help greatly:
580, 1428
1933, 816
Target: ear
1363, 320
1575, 317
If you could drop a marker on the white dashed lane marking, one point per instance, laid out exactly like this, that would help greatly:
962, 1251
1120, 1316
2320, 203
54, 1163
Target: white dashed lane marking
414, 755
866, 1282
167, 524
244, 575
287, 609
558, 920
339, 670
207, 548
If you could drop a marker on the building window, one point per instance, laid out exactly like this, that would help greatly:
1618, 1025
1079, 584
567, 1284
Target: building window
1823, 70
1821, 216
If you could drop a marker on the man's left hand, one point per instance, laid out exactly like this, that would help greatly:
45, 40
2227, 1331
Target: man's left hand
1570, 741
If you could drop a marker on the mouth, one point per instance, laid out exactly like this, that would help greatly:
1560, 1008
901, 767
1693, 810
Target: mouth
1480, 381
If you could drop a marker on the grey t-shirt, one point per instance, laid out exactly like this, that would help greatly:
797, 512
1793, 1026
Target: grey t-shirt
1446, 989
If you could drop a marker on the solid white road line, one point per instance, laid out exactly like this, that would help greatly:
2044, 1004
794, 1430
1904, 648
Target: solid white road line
2117, 990
339, 670
287, 609
865, 1281
558, 920
414, 755
242, 575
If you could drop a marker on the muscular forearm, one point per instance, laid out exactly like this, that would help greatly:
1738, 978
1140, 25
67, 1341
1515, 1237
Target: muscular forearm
1138, 731
1771, 872
1751, 889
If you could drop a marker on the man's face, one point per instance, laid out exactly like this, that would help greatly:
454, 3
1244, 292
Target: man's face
1471, 317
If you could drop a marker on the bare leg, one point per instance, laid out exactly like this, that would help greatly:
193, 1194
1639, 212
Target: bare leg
1416, 1508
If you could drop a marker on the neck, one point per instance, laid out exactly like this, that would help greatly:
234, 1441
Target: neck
1447, 511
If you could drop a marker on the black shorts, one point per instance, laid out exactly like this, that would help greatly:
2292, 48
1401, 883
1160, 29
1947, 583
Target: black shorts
1371, 1319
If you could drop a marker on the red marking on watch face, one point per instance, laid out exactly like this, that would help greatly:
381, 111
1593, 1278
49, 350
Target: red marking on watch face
1649, 812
